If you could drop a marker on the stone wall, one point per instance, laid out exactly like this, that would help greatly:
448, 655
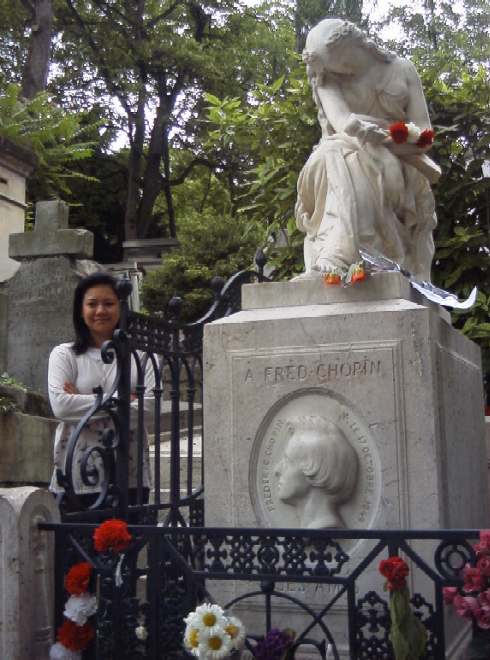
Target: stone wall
26, 440
3, 329
16, 164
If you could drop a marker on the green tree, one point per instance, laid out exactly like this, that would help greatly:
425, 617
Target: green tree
210, 246
148, 63
449, 45
307, 13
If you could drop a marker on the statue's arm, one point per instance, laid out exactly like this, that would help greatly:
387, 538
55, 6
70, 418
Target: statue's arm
418, 114
334, 106
343, 120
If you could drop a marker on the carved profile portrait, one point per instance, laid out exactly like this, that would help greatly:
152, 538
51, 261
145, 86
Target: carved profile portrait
317, 472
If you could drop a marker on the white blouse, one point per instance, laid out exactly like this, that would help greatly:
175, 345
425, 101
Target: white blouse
87, 371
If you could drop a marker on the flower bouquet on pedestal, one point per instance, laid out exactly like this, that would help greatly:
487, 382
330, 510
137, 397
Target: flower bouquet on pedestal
472, 601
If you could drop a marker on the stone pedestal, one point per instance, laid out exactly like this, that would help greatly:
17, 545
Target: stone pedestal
26, 573
376, 374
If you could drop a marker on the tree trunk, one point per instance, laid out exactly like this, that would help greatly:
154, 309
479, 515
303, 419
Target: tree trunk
167, 188
152, 184
35, 74
137, 141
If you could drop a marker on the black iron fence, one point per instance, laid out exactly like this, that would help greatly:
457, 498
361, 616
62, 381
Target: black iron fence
167, 571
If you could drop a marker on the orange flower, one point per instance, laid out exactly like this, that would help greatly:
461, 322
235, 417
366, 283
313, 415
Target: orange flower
358, 275
78, 577
112, 535
426, 138
331, 279
399, 132
73, 637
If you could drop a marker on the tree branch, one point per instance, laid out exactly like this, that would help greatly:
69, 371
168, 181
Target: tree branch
165, 14
29, 6
106, 74
187, 170
112, 9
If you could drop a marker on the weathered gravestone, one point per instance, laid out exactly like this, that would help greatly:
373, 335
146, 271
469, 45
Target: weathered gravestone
53, 259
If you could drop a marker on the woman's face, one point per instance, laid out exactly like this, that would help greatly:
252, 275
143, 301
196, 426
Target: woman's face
100, 311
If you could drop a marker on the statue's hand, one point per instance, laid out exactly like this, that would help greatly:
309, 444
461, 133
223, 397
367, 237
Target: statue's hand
405, 149
365, 131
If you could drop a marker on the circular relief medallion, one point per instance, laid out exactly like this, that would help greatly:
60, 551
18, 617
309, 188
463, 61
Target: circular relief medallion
314, 464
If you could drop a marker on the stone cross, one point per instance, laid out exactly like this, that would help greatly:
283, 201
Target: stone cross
51, 236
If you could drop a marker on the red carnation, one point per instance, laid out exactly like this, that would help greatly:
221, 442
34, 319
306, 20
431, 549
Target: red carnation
426, 138
73, 637
78, 577
395, 569
399, 132
112, 535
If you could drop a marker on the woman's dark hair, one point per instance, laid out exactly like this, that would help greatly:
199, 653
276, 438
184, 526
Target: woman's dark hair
83, 339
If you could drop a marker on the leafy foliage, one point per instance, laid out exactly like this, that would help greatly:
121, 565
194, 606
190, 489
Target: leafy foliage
276, 131
7, 404
55, 137
210, 246
459, 100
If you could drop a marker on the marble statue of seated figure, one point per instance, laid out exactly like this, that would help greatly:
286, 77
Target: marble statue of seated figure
359, 188
317, 472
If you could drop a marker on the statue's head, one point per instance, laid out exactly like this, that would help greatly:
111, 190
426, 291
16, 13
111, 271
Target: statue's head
333, 45
317, 456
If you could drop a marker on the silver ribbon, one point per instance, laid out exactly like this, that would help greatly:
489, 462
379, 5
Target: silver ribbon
118, 577
378, 262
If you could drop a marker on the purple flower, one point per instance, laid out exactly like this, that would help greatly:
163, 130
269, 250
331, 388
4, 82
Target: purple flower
273, 645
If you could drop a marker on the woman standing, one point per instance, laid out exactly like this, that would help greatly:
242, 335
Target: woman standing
359, 188
75, 369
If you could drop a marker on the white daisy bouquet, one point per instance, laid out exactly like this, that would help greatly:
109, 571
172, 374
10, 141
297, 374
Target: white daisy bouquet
210, 634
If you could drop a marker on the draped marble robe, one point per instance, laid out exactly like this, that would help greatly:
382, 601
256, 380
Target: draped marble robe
353, 193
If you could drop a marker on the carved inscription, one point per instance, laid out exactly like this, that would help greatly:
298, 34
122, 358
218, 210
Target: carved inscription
301, 587
368, 469
319, 372
267, 466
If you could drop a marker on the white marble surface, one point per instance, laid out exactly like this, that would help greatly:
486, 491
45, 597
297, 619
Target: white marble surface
401, 384
376, 288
